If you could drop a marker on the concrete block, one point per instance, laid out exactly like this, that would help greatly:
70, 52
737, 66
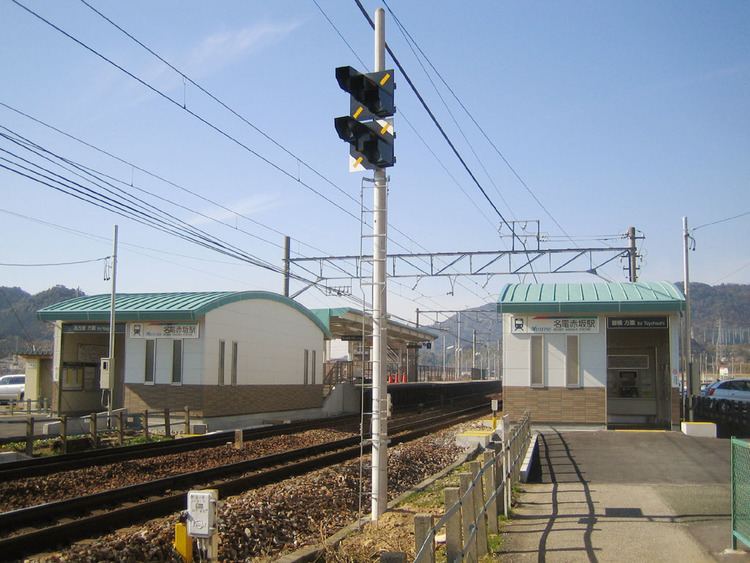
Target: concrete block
474, 438
198, 428
699, 429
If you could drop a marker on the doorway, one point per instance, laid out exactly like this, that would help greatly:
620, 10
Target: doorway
638, 383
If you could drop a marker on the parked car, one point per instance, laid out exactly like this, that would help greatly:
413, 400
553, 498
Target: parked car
728, 390
12, 387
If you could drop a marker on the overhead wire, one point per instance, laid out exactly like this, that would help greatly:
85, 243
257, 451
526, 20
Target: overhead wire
704, 225
44, 264
478, 126
235, 112
443, 133
183, 107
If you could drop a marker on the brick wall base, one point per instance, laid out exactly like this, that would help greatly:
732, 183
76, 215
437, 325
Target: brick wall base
556, 404
223, 400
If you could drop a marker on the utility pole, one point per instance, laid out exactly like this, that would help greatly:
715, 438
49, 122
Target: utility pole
286, 266
473, 349
632, 256
458, 347
692, 386
111, 390
379, 252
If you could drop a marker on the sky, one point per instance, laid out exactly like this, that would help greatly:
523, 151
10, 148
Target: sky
611, 114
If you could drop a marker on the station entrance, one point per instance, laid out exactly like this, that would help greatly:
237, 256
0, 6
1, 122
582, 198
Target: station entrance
639, 392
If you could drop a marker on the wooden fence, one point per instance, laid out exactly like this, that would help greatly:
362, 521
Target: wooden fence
471, 510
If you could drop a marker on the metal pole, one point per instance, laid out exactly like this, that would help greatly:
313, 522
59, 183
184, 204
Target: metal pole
458, 347
473, 349
286, 266
633, 255
111, 390
692, 388
379, 252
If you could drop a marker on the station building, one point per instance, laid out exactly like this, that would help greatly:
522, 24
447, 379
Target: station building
593, 353
222, 354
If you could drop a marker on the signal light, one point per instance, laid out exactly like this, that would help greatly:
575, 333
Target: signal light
367, 128
370, 146
372, 92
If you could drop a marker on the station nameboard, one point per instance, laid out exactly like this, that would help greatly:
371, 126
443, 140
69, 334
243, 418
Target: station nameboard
92, 327
554, 325
637, 322
164, 330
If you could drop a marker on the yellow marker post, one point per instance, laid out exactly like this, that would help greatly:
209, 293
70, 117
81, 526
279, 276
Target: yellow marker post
183, 544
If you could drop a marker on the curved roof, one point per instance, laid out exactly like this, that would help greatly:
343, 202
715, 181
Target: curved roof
623, 297
161, 306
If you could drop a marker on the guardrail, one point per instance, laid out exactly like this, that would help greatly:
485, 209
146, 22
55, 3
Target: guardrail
471, 510
98, 424
27, 406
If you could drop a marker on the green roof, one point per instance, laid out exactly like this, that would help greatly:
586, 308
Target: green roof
160, 306
326, 315
623, 297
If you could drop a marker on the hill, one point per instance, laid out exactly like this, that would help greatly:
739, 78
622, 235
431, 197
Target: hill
20, 330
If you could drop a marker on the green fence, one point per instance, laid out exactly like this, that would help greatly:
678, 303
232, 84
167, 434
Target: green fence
740, 492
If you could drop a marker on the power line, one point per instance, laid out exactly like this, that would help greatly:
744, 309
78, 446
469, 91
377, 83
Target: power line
479, 127
187, 110
184, 108
721, 220
233, 111
440, 129
29, 265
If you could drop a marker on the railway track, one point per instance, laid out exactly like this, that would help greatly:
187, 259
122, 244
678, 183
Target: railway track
91, 515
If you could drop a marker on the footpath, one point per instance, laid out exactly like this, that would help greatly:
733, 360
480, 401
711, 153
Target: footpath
624, 496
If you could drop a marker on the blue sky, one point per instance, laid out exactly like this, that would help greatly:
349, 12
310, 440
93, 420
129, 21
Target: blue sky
614, 114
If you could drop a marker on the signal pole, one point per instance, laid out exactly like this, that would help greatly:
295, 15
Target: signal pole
379, 250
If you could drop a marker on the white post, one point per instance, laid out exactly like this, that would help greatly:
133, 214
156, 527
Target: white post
379, 337
692, 387
111, 354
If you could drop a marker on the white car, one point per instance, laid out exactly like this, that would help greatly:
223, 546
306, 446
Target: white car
729, 390
12, 387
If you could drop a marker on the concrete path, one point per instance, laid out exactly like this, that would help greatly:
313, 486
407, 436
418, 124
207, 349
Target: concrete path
624, 496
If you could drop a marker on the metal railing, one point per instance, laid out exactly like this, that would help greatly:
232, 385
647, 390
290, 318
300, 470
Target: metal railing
472, 509
26, 406
740, 467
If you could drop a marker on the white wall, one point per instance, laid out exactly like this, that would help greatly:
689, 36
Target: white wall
192, 359
271, 337
517, 357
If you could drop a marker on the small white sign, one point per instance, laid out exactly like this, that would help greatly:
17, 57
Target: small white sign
163, 330
554, 325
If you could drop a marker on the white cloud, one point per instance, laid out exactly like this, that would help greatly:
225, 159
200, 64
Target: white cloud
223, 48
248, 206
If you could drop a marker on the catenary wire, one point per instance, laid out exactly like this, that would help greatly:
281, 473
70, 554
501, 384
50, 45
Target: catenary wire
236, 113
479, 127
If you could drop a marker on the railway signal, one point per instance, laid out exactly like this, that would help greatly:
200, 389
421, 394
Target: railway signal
368, 128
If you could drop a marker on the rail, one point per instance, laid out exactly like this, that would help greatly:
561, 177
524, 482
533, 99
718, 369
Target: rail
472, 508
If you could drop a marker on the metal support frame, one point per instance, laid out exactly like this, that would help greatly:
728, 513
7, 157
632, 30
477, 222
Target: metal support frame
474, 263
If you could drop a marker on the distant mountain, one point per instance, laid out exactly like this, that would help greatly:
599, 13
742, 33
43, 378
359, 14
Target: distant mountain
728, 302
20, 330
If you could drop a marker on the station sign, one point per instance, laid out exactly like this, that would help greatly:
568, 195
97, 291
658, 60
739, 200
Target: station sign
554, 325
164, 330
96, 328
637, 322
